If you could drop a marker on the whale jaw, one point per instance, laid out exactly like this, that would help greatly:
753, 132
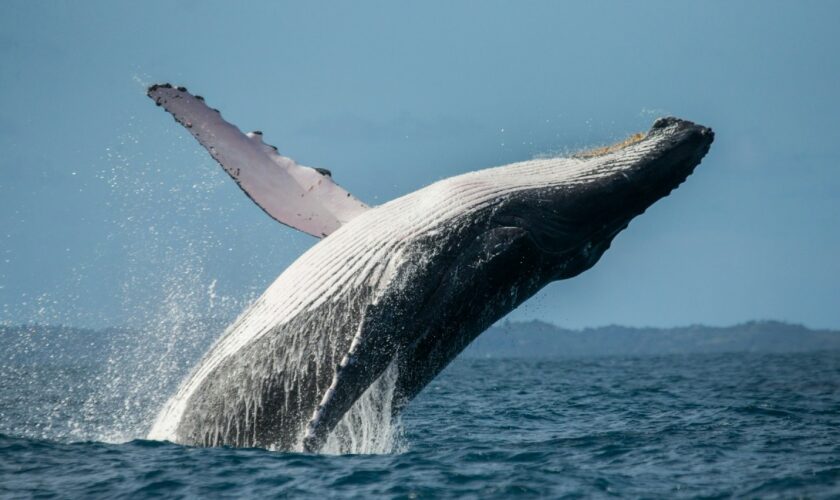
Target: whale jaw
665, 158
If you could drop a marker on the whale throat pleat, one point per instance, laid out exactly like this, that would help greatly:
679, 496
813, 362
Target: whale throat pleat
304, 198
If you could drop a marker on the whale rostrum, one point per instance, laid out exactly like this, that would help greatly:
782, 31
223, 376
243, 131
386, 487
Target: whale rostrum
407, 284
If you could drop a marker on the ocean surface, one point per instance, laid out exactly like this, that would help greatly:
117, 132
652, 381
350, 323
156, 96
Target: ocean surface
710, 425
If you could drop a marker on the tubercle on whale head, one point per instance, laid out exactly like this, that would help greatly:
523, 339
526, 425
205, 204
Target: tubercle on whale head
643, 171
578, 222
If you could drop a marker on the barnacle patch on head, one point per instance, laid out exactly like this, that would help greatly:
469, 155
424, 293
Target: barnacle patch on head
602, 150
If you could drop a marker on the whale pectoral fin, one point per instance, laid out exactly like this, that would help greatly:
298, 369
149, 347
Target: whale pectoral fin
357, 371
302, 197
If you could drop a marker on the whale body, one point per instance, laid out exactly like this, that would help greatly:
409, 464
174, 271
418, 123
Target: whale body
406, 285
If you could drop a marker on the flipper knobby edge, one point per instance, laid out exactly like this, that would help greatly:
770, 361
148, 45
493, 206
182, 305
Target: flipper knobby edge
302, 197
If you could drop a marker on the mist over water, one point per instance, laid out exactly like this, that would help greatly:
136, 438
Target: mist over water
369, 427
171, 315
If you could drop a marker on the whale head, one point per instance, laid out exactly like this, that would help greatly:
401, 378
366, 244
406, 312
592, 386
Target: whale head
583, 203
549, 219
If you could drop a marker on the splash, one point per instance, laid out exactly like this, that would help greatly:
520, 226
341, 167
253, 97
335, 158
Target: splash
281, 361
171, 307
108, 384
145, 364
370, 427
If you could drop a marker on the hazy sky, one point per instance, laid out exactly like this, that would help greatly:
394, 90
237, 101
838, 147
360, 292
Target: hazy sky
110, 213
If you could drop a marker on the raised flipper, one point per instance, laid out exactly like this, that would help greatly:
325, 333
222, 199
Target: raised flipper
302, 197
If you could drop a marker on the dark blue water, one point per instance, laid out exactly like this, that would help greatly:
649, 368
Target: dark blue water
673, 426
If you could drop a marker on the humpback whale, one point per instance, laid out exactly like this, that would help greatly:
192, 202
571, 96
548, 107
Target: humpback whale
405, 285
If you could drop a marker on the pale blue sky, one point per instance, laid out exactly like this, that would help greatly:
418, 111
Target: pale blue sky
110, 214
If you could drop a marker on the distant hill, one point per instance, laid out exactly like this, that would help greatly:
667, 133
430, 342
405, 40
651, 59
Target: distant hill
532, 339
537, 339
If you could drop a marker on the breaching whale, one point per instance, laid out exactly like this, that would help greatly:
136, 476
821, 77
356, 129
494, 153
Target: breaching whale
407, 284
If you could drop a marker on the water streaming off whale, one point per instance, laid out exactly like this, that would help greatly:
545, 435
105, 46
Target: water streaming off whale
110, 387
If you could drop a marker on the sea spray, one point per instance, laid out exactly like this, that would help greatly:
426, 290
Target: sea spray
179, 308
170, 306
370, 427
169, 309
108, 384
